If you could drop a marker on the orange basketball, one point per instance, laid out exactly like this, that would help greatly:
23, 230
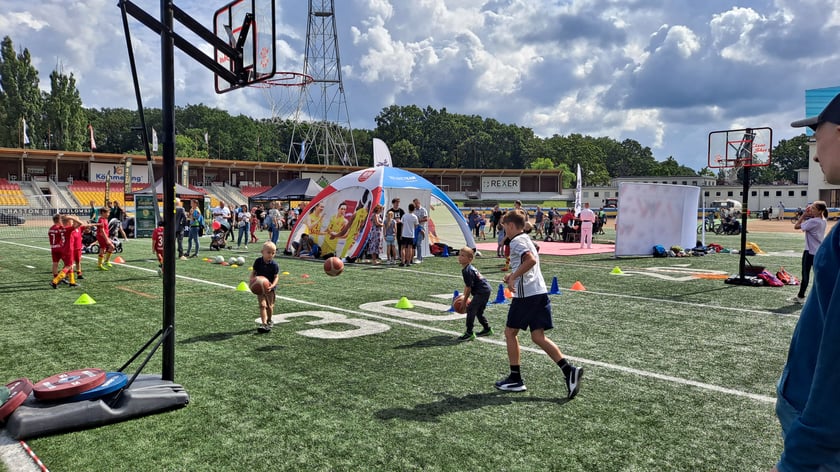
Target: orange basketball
459, 304
333, 266
260, 285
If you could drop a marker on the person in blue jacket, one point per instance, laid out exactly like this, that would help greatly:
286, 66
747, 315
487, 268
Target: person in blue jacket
808, 392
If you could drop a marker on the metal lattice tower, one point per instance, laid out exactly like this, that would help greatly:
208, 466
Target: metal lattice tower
322, 131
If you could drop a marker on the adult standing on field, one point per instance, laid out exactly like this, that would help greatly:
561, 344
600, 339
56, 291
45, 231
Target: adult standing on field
181, 225
812, 222
807, 398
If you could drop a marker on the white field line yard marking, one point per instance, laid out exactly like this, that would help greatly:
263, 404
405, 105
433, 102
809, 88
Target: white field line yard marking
619, 368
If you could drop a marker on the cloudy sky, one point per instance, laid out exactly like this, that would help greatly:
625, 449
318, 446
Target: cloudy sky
664, 73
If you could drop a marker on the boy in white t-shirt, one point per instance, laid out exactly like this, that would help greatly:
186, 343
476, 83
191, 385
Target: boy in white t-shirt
530, 307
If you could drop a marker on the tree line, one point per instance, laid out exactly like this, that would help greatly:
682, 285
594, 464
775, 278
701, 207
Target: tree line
416, 137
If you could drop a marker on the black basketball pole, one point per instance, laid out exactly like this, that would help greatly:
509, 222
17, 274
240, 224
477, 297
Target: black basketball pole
167, 60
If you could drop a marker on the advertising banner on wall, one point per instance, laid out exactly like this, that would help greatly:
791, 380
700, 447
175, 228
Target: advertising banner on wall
500, 184
99, 173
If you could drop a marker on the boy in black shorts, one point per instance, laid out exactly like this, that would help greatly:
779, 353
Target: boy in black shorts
476, 285
530, 307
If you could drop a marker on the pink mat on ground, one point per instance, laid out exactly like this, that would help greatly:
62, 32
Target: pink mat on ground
555, 249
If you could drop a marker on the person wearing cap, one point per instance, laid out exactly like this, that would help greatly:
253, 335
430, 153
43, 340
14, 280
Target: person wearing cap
808, 391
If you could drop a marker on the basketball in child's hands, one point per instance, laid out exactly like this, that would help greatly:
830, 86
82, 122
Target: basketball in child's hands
333, 266
459, 304
260, 285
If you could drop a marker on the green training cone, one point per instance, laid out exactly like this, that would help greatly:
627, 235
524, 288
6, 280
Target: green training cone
617, 271
84, 299
404, 303
242, 287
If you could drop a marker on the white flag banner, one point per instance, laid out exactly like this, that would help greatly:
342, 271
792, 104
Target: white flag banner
381, 154
92, 142
154, 140
25, 133
302, 156
206, 139
578, 192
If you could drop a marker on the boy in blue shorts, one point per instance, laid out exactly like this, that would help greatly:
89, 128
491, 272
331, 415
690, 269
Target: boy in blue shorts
530, 307
476, 285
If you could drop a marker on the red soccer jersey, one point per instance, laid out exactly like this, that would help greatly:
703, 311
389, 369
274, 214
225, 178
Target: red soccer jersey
157, 239
56, 235
102, 229
76, 240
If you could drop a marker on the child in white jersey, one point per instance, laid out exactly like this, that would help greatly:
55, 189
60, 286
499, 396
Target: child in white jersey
530, 307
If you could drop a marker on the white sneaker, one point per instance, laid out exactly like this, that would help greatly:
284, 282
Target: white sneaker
796, 299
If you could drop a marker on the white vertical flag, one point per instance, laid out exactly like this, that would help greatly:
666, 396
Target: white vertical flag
207, 139
25, 133
578, 192
302, 156
92, 142
154, 141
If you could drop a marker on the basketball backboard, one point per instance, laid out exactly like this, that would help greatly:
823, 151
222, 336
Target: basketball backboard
258, 61
740, 148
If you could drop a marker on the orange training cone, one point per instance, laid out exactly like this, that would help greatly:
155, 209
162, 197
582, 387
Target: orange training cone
119, 260
577, 286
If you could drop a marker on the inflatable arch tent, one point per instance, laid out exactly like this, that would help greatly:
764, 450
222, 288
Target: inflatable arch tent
344, 207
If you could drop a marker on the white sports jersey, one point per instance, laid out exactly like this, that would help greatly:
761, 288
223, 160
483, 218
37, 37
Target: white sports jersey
532, 282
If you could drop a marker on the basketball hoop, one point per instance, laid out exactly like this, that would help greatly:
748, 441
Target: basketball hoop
284, 92
285, 79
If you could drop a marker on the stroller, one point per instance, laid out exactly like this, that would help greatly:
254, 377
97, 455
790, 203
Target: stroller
217, 239
90, 245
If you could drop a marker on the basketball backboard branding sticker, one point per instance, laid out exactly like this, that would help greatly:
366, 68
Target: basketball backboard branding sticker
259, 61
748, 147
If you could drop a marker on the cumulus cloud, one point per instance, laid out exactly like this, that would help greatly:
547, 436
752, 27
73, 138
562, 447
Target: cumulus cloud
663, 73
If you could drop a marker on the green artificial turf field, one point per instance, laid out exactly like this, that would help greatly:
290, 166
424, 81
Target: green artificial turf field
680, 370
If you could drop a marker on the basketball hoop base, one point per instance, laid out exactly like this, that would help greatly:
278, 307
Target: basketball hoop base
147, 395
747, 281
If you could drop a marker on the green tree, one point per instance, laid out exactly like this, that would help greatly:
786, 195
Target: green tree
788, 156
20, 97
64, 116
542, 163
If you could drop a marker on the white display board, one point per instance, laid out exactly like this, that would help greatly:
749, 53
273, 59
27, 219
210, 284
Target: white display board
651, 214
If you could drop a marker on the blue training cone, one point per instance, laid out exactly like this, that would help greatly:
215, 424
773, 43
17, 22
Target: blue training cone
555, 289
452, 305
500, 296
445, 252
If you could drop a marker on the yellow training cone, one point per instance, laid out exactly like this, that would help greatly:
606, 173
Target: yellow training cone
285, 273
84, 299
404, 303
578, 287
617, 271
242, 287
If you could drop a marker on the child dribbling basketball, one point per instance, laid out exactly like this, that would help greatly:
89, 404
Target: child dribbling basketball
267, 267
476, 285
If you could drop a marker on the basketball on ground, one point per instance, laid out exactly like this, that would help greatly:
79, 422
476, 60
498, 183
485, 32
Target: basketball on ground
333, 266
260, 285
459, 304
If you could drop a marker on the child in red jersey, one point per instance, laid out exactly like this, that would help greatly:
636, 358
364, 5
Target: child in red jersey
106, 247
76, 244
66, 254
157, 245
56, 235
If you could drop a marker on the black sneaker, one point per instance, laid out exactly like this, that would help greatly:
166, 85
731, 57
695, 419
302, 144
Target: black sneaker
573, 381
485, 332
509, 385
80, 277
466, 337
53, 285
64, 281
263, 329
